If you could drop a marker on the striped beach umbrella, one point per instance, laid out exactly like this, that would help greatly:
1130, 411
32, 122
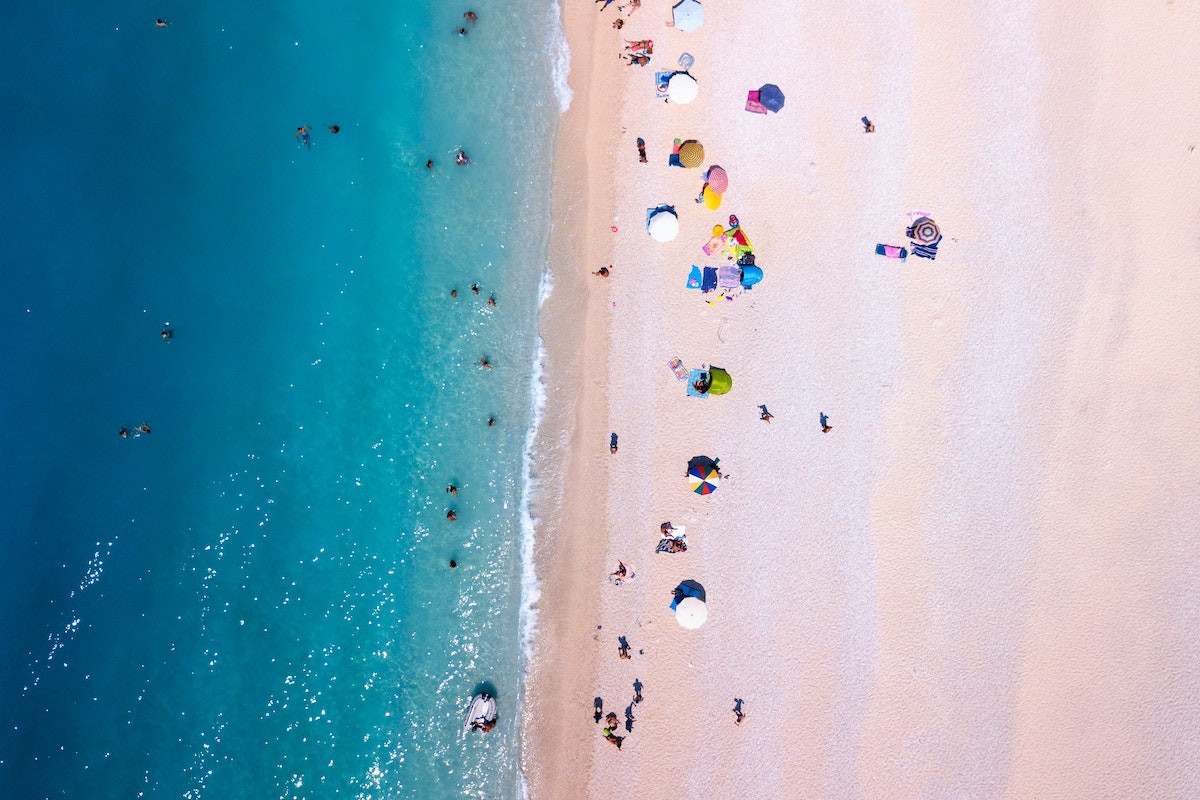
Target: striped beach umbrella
703, 475
925, 231
717, 179
691, 154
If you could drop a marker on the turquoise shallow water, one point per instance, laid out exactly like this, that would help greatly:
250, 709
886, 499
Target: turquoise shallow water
254, 599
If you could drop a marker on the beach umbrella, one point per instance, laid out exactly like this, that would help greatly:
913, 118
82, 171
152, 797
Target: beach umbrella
691, 612
688, 15
771, 97
703, 475
691, 154
717, 179
712, 200
925, 231
663, 226
682, 88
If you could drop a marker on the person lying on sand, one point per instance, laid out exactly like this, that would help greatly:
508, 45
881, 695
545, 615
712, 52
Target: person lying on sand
621, 572
641, 61
646, 45
611, 720
607, 732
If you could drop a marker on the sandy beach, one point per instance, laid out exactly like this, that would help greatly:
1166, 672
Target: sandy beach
982, 581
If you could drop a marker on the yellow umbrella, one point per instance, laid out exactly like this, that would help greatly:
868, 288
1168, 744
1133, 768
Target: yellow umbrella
691, 153
712, 200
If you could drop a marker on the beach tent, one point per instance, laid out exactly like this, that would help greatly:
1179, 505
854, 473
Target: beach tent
662, 224
690, 604
751, 275
688, 15
682, 88
719, 381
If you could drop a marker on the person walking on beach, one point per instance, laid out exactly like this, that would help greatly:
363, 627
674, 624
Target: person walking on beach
607, 3
765, 416
739, 716
868, 126
612, 444
825, 426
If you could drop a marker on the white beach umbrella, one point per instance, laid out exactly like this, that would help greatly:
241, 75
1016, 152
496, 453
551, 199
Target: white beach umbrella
663, 226
690, 612
688, 15
682, 88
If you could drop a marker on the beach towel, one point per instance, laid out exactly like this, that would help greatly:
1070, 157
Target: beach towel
891, 251
666, 545
752, 103
661, 79
686, 61
678, 368
710, 279
693, 281
693, 377
925, 251
728, 277
715, 244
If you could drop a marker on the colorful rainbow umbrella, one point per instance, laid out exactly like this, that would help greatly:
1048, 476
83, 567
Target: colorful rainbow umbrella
703, 475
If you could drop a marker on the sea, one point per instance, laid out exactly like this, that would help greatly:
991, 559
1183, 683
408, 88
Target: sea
254, 599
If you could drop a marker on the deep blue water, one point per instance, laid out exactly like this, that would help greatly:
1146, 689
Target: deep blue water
254, 599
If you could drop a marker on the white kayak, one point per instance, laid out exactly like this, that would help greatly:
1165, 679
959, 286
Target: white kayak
481, 713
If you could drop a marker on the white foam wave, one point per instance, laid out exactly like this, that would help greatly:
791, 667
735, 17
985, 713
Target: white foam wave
560, 58
530, 586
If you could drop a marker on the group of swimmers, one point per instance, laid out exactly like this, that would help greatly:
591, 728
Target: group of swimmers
304, 133
470, 17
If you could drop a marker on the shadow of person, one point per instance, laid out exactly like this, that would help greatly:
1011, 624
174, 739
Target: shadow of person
629, 720
637, 690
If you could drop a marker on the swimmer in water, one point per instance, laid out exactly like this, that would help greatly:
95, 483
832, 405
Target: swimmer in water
461, 158
470, 16
167, 334
461, 31
429, 165
303, 136
124, 432
144, 428
333, 128
161, 23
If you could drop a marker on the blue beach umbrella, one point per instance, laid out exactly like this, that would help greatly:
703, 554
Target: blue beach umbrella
688, 15
771, 97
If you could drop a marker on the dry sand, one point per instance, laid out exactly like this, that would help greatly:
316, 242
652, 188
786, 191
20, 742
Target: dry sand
983, 581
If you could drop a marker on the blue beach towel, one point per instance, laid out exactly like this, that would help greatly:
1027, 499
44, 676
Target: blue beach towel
694, 278
710, 279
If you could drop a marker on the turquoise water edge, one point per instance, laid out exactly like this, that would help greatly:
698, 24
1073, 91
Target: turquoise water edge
255, 599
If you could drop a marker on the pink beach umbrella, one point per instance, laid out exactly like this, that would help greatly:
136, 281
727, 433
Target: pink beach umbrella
718, 181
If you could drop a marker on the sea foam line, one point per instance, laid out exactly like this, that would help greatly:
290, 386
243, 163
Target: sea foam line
560, 58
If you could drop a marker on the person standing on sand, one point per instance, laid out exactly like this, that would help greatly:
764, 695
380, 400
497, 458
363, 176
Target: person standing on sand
868, 126
612, 444
825, 426
738, 715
